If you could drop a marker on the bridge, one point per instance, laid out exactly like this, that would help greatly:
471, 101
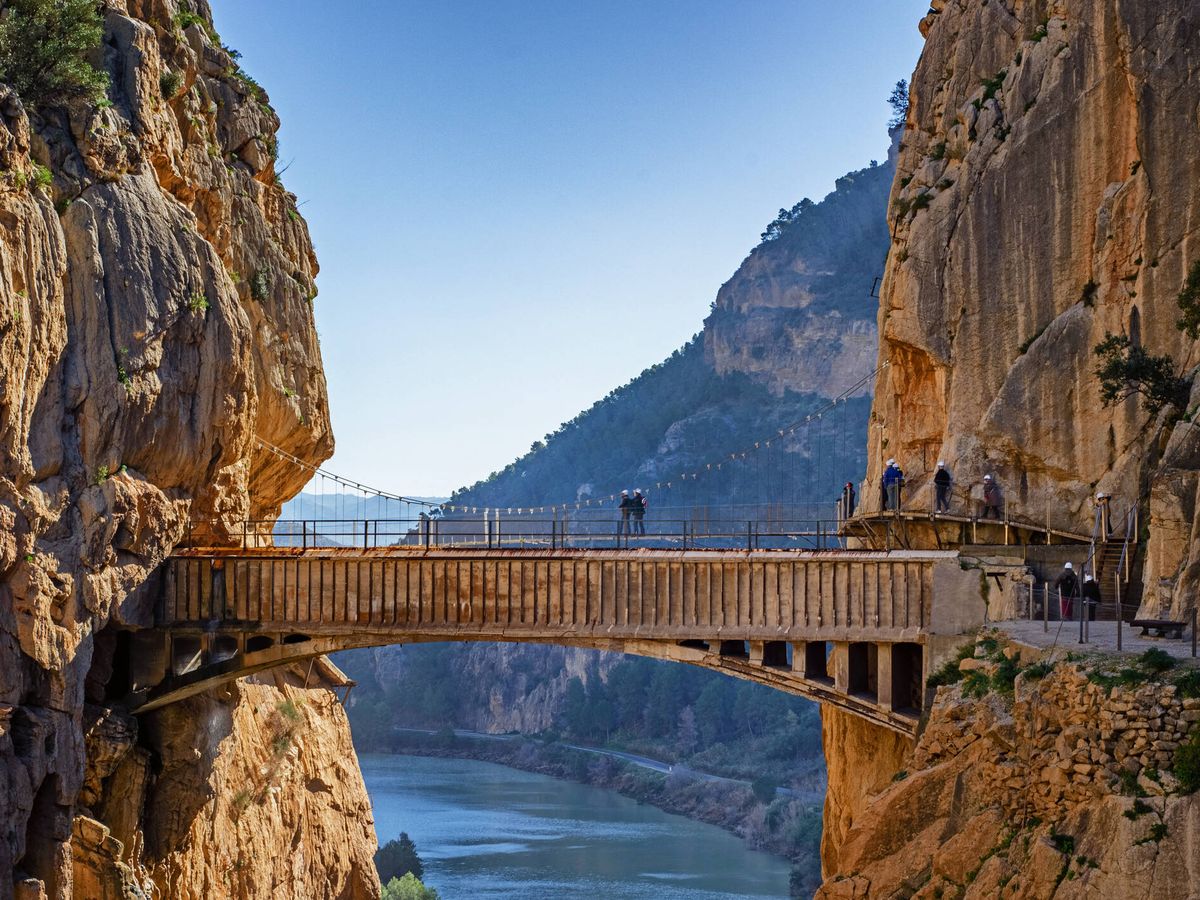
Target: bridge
858, 629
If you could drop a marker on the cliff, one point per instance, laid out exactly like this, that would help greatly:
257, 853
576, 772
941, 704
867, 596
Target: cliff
156, 324
1046, 195
1035, 781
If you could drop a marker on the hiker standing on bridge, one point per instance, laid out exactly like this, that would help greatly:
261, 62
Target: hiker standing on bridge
893, 478
847, 501
626, 508
991, 497
639, 512
941, 482
1067, 585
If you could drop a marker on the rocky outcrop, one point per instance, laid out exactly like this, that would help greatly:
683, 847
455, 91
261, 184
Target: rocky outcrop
798, 315
860, 759
1046, 195
156, 332
1062, 789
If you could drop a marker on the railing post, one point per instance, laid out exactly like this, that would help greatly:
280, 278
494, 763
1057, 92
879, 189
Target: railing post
1045, 607
1193, 631
553, 534
749, 537
1117, 584
366, 540
1081, 618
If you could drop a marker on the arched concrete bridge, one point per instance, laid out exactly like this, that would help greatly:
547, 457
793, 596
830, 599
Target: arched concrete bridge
858, 629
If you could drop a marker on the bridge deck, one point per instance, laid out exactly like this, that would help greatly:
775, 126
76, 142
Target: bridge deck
557, 593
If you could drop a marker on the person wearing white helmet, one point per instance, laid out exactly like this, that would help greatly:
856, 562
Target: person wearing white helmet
1067, 585
1102, 513
893, 478
941, 483
639, 512
991, 497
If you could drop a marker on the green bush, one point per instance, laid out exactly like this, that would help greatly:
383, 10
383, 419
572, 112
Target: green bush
407, 888
1187, 765
764, 788
948, 672
1127, 369
976, 684
1189, 684
169, 83
1005, 675
1156, 660
44, 46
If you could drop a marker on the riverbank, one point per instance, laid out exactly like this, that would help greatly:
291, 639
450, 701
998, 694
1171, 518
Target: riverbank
789, 825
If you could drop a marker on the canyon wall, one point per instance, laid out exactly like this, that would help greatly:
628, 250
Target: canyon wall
1055, 781
156, 329
1047, 194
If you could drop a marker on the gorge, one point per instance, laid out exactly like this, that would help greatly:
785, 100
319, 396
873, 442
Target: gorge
156, 282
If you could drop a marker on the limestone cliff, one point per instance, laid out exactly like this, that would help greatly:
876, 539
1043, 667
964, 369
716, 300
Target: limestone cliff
1047, 193
155, 324
1058, 785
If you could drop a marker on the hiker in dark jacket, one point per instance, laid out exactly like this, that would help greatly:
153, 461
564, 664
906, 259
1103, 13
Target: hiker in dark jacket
626, 508
847, 500
639, 512
1067, 586
1090, 596
893, 478
991, 497
941, 482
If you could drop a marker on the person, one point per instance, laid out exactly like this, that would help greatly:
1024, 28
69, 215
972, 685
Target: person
991, 497
639, 512
941, 482
1090, 597
848, 500
626, 508
1105, 525
1067, 587
893, 477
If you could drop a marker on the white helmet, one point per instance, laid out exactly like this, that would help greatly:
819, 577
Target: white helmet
637, 490
624, 493
941, 464
891, 462
1069, 566
1088, 578
987, 477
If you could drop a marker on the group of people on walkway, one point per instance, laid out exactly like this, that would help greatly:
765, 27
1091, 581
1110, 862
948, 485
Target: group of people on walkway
943, 484
1068, 588
633, 513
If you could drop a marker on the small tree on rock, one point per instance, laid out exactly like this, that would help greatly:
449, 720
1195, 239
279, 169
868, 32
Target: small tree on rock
44, 46
898, 101
397, 858
1126, 370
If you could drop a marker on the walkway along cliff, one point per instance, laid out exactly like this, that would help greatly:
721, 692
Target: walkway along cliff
156, 283
1046, 195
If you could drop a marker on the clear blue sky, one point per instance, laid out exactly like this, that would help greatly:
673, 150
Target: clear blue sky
518, 206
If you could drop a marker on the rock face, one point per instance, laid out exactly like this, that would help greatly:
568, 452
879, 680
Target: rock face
798, 314
156, 330
1046, 195
1062, 789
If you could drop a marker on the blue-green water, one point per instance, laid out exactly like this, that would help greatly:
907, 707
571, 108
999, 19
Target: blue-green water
489, 831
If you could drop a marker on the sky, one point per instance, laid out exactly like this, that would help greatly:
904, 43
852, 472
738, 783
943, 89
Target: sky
518, 205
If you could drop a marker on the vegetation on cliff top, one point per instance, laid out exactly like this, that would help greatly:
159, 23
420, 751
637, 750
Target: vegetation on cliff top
44, 49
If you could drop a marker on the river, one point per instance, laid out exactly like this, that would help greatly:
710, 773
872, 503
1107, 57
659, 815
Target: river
488, 831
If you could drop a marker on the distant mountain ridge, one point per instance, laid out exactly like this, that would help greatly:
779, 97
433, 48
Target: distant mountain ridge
793, 327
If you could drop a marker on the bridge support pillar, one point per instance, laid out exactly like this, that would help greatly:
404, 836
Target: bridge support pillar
799, 657
841, 666
149, 658
884, 675
756, 652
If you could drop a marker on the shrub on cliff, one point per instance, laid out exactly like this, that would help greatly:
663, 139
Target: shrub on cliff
43, 50
1187, 765
1127, 369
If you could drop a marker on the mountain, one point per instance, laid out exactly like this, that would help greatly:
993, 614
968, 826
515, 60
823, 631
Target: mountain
793, 328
